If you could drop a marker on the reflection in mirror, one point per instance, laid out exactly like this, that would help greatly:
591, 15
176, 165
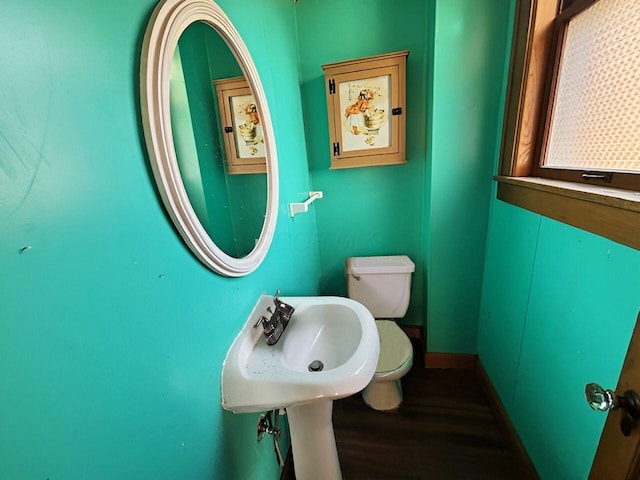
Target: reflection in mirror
224, 204
243, 133
230, 207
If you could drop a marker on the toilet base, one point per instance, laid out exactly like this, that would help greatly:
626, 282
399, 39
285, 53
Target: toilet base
383, 396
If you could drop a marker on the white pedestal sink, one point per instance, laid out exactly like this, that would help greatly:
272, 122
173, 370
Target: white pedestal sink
312, 441
340, 333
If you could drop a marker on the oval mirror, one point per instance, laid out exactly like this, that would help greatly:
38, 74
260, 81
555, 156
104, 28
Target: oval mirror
209, 135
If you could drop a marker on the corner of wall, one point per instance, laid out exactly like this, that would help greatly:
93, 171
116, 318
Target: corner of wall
429, 63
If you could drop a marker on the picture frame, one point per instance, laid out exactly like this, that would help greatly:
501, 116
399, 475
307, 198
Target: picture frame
366, 110
241, 127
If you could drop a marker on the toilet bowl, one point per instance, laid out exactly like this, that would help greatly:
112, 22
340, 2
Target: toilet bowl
383, 284
384, 392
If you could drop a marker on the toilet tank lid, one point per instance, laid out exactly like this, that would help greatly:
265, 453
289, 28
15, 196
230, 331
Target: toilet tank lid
388, 264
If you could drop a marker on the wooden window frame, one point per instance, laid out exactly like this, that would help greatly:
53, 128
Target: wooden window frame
609, 210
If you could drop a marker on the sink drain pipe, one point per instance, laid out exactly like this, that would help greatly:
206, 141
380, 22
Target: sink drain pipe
268, 427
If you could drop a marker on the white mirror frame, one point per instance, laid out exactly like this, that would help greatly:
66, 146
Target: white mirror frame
169, 19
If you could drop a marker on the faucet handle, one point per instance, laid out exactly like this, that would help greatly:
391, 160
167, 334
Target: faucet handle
275, 298
263, 319
267, 326
260, 320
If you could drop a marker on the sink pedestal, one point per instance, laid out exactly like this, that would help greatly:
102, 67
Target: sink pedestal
338, 334
313, 442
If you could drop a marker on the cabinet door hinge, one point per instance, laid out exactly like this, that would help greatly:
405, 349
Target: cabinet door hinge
332, 86
396, 111
336, 149
228, 129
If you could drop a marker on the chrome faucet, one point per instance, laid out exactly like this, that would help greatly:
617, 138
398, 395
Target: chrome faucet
277, 320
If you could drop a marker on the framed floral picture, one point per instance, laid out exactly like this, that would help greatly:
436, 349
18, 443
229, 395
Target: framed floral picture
241, 126
366, 109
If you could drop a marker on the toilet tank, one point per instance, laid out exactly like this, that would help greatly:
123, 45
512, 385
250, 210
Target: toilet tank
382, 284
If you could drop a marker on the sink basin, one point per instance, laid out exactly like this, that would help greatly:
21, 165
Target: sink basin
338, 332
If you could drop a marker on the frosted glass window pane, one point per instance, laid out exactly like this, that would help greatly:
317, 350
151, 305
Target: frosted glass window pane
596, 117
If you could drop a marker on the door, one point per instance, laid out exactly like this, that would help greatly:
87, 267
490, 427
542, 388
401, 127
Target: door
618, 457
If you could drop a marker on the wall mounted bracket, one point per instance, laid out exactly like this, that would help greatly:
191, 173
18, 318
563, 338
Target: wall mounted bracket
295, 208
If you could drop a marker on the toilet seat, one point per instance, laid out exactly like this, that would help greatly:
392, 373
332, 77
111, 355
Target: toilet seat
395, 348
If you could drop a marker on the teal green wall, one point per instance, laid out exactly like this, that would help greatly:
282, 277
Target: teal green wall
374, 210
558, 309
112, 334
470, 57
435, 207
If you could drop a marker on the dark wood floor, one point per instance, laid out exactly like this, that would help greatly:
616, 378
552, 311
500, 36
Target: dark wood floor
444, 429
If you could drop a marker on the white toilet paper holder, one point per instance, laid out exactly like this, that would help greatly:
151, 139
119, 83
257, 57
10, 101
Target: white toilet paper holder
295, 208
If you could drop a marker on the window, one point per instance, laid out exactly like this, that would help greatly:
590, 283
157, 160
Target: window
571, 142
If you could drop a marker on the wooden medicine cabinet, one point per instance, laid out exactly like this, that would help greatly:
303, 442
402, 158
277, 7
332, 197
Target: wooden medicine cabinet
366, 109
241, 126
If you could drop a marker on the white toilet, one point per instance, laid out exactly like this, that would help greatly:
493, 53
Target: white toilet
383, 285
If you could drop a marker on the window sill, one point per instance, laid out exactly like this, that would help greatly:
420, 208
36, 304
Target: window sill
608, 212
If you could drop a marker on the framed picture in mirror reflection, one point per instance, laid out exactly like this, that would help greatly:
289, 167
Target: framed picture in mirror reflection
241, 126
